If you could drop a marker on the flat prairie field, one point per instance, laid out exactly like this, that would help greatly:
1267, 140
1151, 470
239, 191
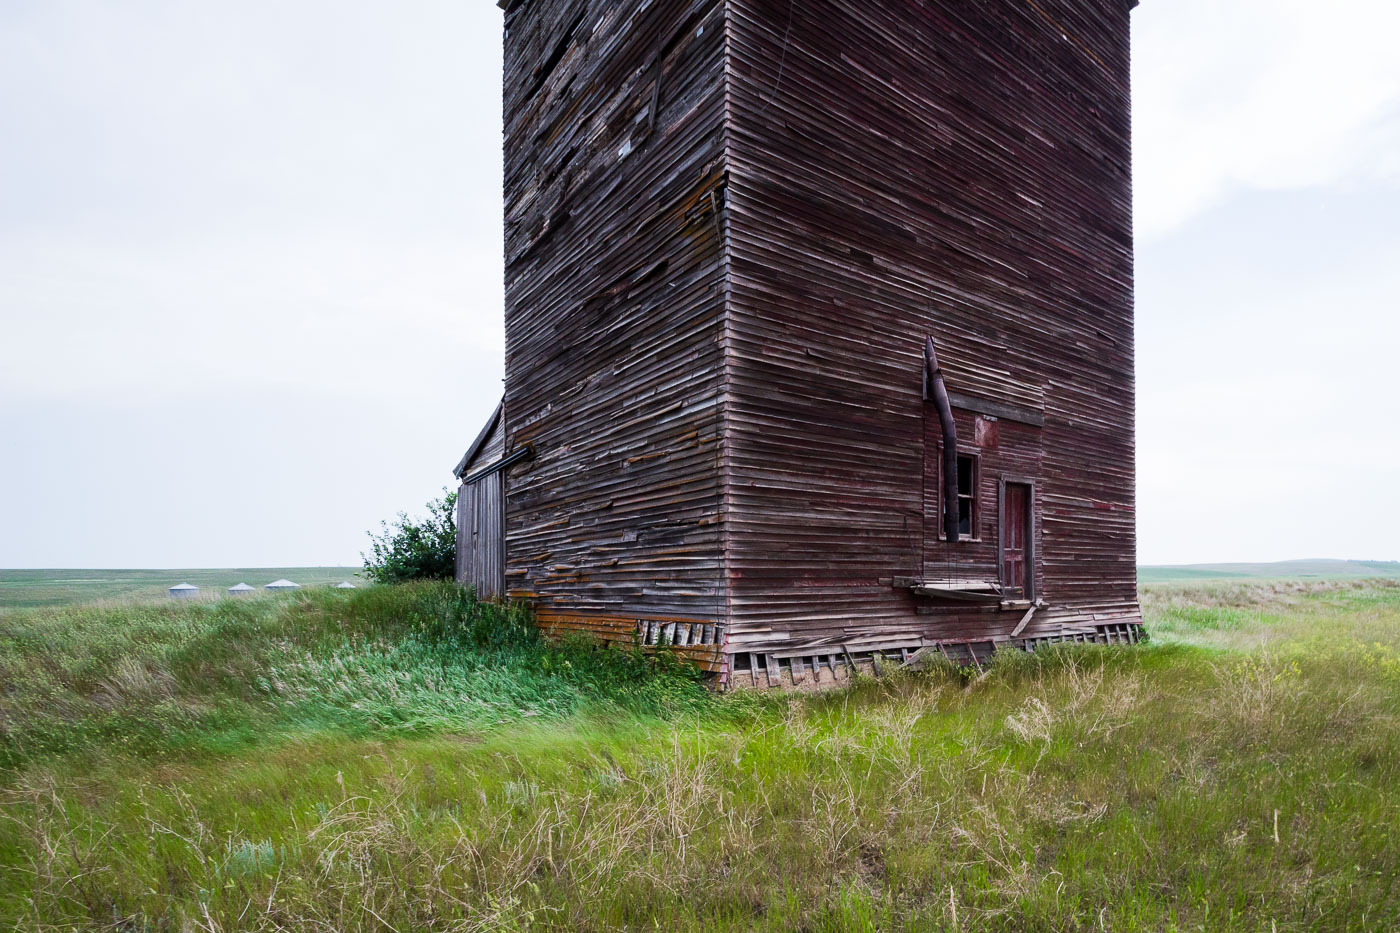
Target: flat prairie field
29, 589
401, 758
1283, 571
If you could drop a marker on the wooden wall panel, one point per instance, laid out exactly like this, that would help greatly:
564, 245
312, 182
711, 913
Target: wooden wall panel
614, 307
729, 226
1013, 452
949, 167
480, 537
491, 451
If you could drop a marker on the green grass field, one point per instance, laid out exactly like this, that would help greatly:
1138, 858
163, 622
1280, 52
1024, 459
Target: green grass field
28, 589
399, 758
1279, 570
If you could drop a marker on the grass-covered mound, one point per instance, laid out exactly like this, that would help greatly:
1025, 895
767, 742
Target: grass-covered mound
1238, 773
216, 676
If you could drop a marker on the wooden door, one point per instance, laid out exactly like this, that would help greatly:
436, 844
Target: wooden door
1016, 579
481, 535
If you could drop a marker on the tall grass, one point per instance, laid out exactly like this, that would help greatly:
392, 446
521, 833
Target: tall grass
193, 676
1229, 776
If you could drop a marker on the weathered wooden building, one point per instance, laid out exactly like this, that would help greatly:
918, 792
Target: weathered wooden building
734, 231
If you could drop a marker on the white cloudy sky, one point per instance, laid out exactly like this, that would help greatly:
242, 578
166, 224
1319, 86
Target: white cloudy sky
250, 275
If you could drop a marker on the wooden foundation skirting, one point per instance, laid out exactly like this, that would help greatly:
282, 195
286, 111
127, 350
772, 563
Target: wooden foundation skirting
698, 641
703, 643
749, 670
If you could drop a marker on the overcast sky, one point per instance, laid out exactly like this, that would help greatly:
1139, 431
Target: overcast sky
250, 275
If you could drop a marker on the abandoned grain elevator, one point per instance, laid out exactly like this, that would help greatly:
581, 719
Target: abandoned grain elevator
819, 330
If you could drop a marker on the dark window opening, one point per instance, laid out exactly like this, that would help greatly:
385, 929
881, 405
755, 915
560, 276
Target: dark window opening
967, 496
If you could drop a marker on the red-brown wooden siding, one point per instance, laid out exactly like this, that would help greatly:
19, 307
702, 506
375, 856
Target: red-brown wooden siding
899, 169
614, 306
714, 330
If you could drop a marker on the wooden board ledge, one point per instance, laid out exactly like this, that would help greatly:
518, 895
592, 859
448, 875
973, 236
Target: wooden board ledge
978, 590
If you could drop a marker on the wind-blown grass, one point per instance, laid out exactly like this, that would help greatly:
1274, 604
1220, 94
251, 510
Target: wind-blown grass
1236, 774
215, 676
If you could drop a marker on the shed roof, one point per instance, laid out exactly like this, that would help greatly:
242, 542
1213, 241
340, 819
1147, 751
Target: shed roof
183, 586
461, 468
240, 588
282, 585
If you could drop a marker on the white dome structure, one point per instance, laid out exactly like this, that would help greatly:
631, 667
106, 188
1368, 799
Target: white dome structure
183, 591
241, 589
282, 586
346, 585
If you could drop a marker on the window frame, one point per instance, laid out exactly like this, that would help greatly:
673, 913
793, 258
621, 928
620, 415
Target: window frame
975, 522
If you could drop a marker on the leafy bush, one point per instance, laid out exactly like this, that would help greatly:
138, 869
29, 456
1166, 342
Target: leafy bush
414, 550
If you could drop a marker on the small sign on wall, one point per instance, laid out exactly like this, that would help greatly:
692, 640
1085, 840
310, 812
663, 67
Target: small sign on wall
985, 432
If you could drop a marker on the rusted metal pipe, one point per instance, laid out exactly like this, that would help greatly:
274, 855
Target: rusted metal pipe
938, 393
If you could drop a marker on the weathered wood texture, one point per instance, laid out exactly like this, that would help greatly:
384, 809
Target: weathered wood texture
718, 289
480, 536
1013, 452
480, 515
614, 310
487, 449
1014, 533
949, 167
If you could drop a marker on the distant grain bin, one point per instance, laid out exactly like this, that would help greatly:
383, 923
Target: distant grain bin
282, 586
240, 589
184, 591
345, 585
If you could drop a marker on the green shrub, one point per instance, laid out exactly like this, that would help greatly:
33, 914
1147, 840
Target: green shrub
416, 550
